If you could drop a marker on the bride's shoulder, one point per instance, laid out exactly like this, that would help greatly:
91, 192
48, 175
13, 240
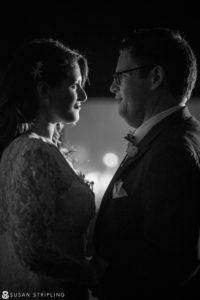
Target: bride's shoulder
25, 147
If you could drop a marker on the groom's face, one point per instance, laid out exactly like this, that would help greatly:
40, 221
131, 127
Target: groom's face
131, 90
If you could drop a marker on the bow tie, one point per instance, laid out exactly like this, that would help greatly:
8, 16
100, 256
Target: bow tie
131, 138
132, 148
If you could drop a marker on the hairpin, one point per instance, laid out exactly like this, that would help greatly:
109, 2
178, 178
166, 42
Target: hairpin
37, 71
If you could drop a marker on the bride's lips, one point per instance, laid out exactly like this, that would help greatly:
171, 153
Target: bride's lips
77, 105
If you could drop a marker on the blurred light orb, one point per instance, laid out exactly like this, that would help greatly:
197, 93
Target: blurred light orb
110, 160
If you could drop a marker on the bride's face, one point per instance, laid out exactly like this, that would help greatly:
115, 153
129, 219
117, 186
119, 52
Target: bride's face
65, 101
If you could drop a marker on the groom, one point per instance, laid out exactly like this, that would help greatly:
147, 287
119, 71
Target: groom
147, 228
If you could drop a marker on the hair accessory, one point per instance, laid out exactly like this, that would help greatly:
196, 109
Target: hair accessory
37, 70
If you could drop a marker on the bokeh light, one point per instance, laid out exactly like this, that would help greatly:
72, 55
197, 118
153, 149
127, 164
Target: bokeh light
110, 160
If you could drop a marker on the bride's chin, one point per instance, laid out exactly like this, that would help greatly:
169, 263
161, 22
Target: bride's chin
72, 118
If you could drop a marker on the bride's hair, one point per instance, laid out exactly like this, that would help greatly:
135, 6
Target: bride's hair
40, 60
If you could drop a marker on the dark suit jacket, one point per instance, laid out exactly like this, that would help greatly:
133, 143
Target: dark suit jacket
150, 237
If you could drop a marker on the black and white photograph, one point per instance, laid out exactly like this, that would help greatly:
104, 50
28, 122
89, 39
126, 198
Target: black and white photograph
99, 151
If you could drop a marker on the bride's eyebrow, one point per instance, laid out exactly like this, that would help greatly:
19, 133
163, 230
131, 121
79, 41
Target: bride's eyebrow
75, 82
78, 80
71, 80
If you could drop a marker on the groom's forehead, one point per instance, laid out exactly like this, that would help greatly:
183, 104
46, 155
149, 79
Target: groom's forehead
125, 61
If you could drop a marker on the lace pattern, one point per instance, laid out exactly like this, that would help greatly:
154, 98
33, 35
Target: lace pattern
45, 209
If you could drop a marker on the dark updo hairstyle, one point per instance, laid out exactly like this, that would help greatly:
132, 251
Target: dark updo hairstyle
45, 60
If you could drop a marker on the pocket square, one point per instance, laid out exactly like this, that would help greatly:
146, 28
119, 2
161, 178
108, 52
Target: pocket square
118, 190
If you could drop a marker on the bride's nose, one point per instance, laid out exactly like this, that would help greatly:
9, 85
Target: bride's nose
82, 96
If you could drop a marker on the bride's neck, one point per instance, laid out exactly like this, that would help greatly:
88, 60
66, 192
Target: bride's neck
44, 128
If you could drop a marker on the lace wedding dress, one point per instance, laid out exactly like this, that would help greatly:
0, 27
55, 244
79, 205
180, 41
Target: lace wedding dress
45, 210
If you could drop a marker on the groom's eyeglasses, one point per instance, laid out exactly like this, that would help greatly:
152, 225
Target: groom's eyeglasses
118, 75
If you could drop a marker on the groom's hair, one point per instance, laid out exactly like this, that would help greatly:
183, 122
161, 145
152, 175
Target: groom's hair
167, 48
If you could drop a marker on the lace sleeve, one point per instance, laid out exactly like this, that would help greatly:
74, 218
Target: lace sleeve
32, 215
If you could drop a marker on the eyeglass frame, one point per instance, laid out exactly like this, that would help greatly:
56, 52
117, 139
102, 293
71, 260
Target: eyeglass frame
116, 75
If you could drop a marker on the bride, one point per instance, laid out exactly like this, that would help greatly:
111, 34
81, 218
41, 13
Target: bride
45, 207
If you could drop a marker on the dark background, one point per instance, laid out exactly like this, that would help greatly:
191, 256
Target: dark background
95, 30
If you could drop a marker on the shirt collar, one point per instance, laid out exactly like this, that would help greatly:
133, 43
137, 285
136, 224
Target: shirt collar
142, 130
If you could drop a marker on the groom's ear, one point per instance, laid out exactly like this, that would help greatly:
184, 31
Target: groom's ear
157, 77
